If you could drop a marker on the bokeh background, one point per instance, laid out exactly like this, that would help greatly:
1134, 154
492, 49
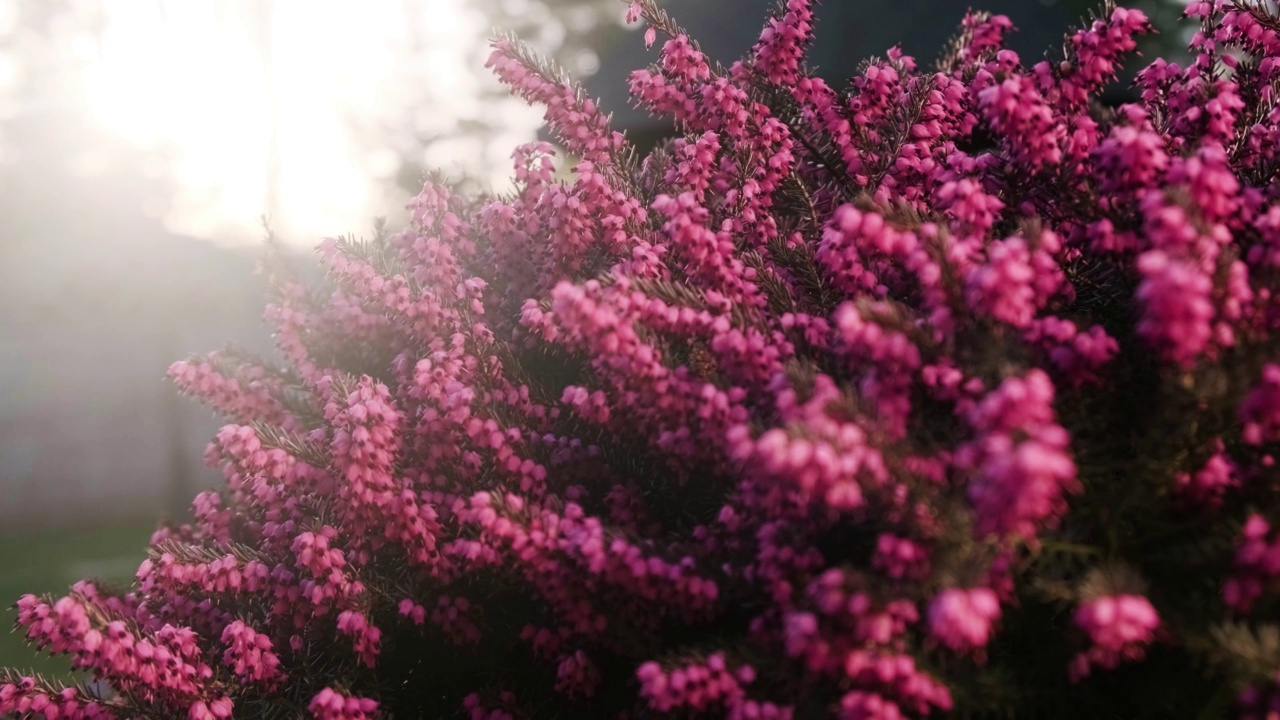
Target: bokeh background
144, 142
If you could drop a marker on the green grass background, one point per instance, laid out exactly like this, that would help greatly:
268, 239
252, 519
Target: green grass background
49, 561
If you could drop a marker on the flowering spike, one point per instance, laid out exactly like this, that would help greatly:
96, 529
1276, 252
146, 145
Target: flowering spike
578, 122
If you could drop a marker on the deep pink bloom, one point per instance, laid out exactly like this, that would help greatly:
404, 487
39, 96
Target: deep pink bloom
331, 705
1120, 627
963, 619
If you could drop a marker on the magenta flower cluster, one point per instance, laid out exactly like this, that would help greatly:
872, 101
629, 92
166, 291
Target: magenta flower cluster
947, 389
1119, 628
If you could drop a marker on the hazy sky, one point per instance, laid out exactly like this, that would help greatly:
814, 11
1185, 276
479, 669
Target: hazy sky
193, 78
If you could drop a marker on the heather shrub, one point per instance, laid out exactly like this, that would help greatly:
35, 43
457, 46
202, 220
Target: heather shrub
948, 391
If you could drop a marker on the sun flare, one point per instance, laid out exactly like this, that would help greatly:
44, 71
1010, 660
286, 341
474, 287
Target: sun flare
255, 103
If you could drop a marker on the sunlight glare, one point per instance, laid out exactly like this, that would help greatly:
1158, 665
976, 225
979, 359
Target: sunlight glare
193, 79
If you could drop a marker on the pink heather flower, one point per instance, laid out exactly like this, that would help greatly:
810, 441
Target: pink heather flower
896, 676
412, 610
1207, 175
694, 686
1259, 412
1131, 158
331, 705
1002, 287
1097, 51
1079, 355
1120, 627
1023, 120
962, 619
835, 463
27, 697
1020, 458
215, 710
164, 664
1260, 702
365, 637
972, 210
886, 360
900, 557
1267, 253
859, 705
1177, 310
577, 675
247, 393
986, 34
476, 709
781, 47
250, 654
578, 122
840, 598
756, 710
1257, 565
1211, 482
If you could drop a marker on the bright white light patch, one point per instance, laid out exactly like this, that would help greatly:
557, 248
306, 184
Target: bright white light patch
208, 81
